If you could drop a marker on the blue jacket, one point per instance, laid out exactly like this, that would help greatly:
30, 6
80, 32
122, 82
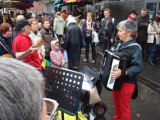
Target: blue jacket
134, 57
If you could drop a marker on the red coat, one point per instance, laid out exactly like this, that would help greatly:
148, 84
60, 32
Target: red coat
22, 43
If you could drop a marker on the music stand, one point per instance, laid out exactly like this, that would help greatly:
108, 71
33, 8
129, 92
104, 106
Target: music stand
65, 87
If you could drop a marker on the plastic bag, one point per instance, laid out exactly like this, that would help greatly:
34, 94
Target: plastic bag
45, 63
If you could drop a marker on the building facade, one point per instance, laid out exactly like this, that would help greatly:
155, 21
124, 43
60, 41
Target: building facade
48, 6
121, 8
38, 7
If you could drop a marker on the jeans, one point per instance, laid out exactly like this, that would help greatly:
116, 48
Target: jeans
152, 48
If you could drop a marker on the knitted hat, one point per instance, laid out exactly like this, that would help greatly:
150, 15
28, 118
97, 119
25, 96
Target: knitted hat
21, 24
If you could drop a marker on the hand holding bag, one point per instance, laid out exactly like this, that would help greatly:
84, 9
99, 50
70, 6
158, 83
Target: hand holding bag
95, 38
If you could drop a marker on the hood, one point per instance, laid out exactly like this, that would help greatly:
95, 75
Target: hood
53, 42
71, 19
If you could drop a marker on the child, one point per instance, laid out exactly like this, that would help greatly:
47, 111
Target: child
56, 56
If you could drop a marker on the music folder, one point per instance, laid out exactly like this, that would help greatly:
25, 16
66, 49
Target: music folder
111, 80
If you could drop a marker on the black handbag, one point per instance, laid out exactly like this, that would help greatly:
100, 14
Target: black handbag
88, 34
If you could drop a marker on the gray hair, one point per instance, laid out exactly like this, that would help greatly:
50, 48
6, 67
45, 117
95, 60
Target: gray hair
128, 26
19, 18
21, 91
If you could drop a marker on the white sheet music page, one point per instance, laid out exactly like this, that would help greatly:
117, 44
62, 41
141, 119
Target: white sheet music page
111, 80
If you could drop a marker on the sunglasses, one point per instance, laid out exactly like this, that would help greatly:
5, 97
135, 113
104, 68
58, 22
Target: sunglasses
51, 106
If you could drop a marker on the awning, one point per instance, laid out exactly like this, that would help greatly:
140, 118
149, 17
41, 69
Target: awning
20, 4
57, 3
78, 2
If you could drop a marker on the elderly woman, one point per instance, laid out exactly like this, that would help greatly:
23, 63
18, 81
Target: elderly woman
87, 29
132, 51
21, 91
48, 35
5, 41
35, 36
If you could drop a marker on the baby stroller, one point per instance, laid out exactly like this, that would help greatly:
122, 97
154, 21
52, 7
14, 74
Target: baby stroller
92, 102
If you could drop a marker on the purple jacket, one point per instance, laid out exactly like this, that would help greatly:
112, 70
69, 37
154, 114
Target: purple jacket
84, 28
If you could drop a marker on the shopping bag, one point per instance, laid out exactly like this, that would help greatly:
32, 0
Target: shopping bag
69, 117
45, 63
95, 38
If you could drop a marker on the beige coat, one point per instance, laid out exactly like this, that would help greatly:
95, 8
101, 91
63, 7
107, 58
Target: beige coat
59, 25
153, 31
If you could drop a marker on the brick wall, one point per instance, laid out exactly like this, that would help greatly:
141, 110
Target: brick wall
38, 7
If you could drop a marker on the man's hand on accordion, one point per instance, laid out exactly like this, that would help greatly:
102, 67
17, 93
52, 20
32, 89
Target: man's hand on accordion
116, 73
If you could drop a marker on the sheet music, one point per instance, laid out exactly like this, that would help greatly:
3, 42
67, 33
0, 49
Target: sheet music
111, 80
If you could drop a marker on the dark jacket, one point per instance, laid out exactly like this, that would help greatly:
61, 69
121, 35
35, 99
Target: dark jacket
112, 28
47, 36
134, 63
7, 46
143, 23
73, 44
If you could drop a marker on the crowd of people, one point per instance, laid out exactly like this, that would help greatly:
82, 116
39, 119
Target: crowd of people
67, 34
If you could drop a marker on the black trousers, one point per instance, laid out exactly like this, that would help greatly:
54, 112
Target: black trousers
106, 44
143, 45
88, 43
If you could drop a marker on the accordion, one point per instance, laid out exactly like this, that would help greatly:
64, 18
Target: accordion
112, 61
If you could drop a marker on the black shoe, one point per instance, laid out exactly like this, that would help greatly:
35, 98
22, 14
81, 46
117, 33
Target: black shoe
85, 60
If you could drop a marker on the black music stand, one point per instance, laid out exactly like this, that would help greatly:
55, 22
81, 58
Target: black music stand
65, 87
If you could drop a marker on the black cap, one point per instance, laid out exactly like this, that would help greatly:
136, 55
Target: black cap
21, 24
134, 12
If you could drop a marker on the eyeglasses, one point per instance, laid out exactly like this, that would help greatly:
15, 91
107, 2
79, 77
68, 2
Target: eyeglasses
51, 106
